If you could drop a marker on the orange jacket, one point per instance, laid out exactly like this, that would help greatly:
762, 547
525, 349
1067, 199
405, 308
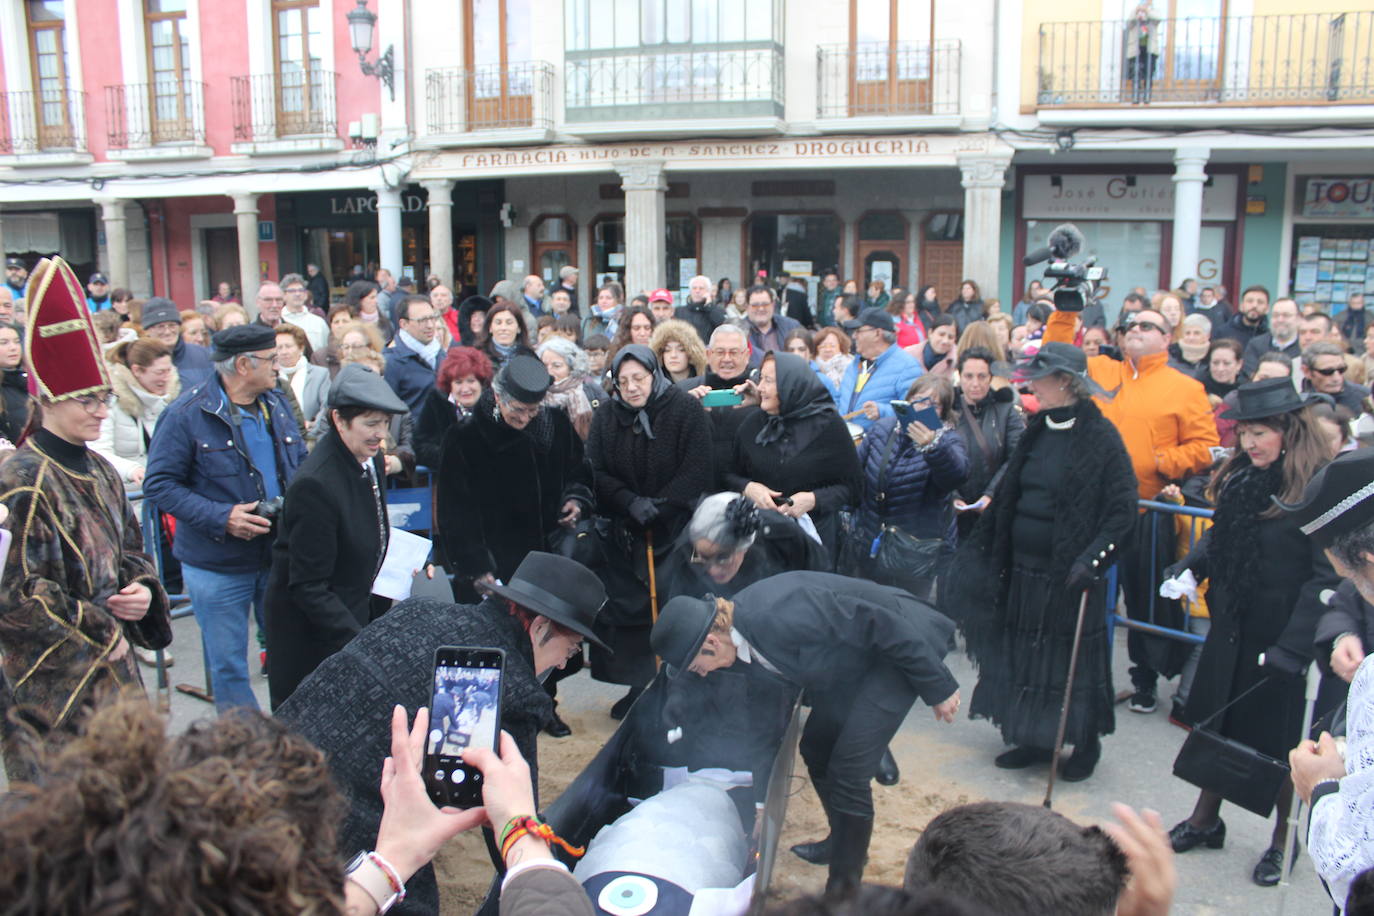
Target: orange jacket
1163, 415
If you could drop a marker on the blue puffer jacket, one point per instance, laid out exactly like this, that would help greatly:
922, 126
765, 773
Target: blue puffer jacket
197, 473
915, 491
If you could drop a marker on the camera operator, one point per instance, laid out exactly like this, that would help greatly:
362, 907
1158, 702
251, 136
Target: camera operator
220, 452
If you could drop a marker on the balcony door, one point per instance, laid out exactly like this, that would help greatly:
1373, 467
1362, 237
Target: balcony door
169, 57
1192, 49
500, 91
299, 32
890, 55
48, 56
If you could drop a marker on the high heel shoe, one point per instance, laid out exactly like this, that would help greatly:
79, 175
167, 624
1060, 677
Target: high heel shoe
888, 774
1269, 870
1185, 836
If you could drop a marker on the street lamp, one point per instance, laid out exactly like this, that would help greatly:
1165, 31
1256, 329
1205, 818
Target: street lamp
361, 22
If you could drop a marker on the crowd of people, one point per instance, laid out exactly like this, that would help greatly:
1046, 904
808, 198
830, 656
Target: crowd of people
819, 490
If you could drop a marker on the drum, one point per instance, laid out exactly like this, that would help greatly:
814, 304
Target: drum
856, 432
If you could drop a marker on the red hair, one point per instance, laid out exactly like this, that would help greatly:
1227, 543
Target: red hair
461, 362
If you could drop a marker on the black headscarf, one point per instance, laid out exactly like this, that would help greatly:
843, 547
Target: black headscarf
801, 394
637, 416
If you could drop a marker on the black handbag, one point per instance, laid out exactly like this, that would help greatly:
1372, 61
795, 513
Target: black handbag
896, 557
1237, 772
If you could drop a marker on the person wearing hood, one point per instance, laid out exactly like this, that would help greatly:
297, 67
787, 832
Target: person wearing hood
345, 708
796, 455
472, 320
862, 652
143, 382
332, 535
650, 450
990, 425
14, 386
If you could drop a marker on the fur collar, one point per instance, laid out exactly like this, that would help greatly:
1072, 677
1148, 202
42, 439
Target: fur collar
122, 382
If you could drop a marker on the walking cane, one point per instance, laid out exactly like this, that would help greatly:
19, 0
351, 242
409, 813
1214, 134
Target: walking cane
1068, 691
653, 584
1290, 853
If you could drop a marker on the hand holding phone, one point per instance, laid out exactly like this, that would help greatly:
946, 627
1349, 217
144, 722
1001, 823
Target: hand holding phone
928, 417
465, 713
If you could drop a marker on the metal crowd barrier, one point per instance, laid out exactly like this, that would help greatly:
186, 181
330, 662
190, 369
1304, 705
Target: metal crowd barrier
1158, 511
180, 603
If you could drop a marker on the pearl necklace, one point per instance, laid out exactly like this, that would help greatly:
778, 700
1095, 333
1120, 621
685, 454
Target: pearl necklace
1060, 424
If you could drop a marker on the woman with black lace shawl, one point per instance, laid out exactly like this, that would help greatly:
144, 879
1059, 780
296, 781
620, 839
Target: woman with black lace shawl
1266, 578
1066, 500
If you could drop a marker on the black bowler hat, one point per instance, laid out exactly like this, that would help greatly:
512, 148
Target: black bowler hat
682, 626
872, 318
560, 589
241, 338
1338, 499
1266, 398
525, 379
1052, 357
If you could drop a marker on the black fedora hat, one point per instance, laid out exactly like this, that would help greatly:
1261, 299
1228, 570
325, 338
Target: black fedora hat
1338, 499
1052, 357
1265, 398
681, 628
540, 584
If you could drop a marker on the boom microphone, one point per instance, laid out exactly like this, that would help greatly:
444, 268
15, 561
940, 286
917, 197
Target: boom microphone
1064, 242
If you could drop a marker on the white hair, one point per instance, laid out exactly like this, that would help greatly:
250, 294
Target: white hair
572, 354
710, 524
1198, 322
727, 328
699, 277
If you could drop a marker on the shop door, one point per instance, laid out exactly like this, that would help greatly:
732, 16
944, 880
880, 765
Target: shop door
942, 255
221, 258
881, 249
500, 85
1194, 45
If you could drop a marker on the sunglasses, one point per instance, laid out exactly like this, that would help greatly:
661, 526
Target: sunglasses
1145, 326
1334, 370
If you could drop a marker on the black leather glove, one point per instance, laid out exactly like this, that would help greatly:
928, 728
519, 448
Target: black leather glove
1081, 576
643, 510
1279, 663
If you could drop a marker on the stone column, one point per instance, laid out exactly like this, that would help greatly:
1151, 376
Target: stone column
1190, 173
984, 176
645, 225
250, 275
440, 231
389, 230
116, 240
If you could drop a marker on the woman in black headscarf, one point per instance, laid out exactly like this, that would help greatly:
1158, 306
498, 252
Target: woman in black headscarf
796, 455
650, 449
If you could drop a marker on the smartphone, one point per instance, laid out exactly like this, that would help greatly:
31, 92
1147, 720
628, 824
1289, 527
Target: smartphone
721, 397
464, 712
928, 417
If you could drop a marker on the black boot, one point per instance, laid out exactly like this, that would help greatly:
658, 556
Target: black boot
888, 774
622, 705
557, 728
849, 836
817, 853
1084, 760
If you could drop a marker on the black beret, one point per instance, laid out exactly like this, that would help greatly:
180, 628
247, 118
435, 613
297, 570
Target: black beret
242, 338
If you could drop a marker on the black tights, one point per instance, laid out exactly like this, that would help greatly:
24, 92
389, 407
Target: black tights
1207, 812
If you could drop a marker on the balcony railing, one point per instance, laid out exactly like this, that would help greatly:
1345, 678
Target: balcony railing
489, 98
141, 115
293, 103
43, 121
878, 78
1299, 59
692, 82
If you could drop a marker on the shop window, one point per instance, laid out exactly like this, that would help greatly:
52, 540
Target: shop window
605, 24
48, 57
299, 32
682, 246
169, 58
1131, 250
1191, 39
890, 55
553, 246
810, 238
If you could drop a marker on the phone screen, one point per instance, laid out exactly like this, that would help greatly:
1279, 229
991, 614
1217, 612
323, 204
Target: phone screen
464, 712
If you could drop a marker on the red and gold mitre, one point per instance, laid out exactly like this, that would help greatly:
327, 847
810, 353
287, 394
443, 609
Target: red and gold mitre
61, 349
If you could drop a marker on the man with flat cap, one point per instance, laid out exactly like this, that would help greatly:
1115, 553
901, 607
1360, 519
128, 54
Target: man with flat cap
223, 455
1337, 512
862, 652
539, 617
332, 535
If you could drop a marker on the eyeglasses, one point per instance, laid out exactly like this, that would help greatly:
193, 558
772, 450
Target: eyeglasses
521, 410
94, 403
271, 360
718, 561
1144, 326
733, 354
430, 320
1334, 370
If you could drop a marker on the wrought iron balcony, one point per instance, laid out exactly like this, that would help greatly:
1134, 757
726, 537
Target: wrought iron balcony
43, 121
140, 115
293, 103
702, 81
459, 100
874, 78
1298, 59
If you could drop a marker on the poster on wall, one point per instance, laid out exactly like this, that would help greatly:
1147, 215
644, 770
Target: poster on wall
882, 270
686, 270
1342, 197
1305, 278
1309, 249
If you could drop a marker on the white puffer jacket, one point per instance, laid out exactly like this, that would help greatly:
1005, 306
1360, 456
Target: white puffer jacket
132, 411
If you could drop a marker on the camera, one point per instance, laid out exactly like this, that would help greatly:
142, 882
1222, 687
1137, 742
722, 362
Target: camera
270, 509
1076, 284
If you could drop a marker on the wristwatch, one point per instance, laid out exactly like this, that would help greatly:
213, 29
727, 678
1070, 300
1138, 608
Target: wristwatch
363, 870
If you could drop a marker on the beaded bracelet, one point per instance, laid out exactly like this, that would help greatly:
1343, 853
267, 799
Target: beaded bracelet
521, 826
392, 875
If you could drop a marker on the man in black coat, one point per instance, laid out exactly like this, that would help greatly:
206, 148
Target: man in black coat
1282, 337
332, 536
344, 708
699, 311
727, 361
1249, 319
862, 652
